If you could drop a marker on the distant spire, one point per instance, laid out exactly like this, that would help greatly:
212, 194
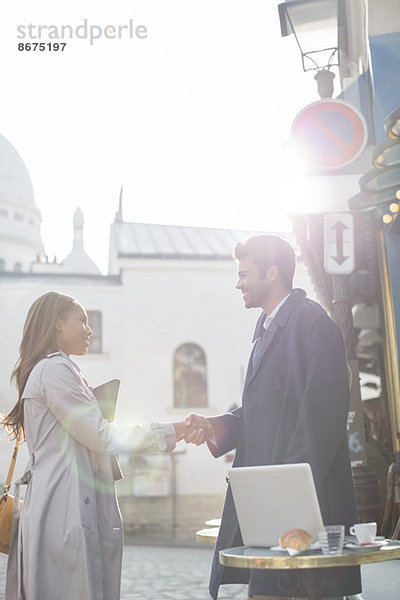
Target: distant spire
78, 228
77, 260
118, 215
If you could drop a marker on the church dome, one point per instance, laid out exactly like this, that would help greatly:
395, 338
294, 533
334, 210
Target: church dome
20, 240
15, 182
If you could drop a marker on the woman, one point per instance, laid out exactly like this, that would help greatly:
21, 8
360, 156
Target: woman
67, 541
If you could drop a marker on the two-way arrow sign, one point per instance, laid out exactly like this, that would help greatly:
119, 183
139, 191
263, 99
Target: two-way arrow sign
339, 243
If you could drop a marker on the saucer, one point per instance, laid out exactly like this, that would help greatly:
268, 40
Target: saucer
376, 544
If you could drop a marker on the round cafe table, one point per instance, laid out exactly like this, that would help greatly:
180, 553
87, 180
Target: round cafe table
213, 523
263, 558
207, 536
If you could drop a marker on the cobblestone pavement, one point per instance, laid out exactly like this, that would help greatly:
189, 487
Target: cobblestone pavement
163, 573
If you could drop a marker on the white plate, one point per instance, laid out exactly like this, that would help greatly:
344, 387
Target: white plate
375, 544
313, 546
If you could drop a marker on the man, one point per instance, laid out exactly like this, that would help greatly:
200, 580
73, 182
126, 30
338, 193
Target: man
294, 409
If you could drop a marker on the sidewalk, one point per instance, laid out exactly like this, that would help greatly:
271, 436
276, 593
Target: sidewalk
177, 573
163, 573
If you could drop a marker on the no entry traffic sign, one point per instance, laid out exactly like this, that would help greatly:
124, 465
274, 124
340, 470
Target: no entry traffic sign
330, 133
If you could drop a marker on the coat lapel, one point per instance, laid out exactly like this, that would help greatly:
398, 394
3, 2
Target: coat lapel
260, 347
265, 339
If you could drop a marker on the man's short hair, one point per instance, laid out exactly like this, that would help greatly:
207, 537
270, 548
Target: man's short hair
267, 250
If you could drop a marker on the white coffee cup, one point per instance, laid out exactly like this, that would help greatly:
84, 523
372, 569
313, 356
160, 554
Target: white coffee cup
365, 532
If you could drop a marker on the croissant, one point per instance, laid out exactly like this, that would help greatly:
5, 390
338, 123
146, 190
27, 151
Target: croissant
298, 539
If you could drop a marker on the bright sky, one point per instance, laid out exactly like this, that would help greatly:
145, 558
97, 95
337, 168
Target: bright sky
191, 120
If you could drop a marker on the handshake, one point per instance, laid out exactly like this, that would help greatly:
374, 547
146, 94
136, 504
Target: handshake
195, 429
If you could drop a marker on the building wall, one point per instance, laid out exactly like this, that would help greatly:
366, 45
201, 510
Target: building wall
20, 240
167, 303
16, 257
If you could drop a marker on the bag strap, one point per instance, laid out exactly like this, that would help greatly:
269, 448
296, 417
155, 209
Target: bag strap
7, 484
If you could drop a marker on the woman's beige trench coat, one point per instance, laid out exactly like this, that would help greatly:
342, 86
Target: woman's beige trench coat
67, 540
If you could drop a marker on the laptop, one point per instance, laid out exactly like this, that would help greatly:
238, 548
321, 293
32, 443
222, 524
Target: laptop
269, 500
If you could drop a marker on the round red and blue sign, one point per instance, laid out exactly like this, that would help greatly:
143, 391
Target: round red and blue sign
330, 134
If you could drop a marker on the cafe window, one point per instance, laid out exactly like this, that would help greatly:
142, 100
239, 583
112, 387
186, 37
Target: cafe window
190, 376
95, 324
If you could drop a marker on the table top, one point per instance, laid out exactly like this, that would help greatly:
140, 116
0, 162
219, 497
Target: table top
265, 558
213, 523
207, 536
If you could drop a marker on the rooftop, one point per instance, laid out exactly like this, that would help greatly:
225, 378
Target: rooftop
143, 240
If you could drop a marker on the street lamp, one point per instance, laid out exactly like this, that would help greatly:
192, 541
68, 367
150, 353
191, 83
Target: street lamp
315, 26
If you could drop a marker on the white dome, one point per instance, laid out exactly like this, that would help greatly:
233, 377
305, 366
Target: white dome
15, 182
20, 240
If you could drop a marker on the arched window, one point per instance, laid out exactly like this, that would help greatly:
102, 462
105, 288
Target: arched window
2, 264
18, 267
190, 376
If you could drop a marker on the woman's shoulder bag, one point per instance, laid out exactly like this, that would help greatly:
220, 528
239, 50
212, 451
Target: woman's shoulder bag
7, 506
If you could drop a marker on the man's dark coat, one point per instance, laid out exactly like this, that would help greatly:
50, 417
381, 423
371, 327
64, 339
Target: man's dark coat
294, 409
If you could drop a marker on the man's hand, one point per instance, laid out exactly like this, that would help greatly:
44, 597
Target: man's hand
199, 429
195, 429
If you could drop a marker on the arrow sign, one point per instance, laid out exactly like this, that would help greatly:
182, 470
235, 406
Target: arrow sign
339, 258
339, 243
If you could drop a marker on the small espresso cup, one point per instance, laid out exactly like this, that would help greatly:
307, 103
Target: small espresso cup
365, 532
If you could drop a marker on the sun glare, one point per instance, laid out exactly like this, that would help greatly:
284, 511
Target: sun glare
292, 185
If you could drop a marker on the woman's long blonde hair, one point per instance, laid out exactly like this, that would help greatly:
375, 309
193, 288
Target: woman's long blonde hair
38, 340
